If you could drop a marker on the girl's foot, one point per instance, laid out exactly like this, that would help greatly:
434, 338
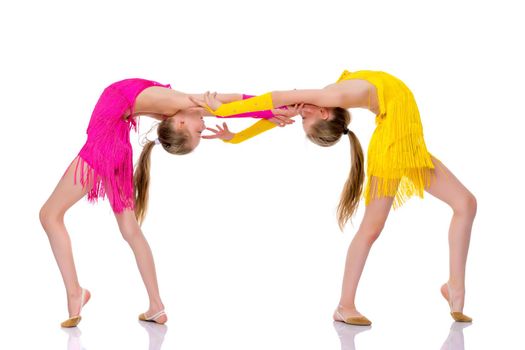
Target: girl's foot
455, 299
154, 314
74, 305
350, 316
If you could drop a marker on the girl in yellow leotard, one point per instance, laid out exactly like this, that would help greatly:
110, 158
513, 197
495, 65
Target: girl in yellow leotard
399, 166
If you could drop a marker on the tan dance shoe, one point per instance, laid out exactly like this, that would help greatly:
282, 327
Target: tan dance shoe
75, 320
152, 318
456, 315
354, 320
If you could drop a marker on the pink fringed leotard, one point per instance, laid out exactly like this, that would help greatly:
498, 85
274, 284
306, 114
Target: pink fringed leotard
107, 151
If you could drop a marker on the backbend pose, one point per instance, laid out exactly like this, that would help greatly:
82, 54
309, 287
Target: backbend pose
104, 167
398, 166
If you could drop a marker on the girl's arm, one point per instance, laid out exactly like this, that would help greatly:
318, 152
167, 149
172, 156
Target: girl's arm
274, 114
226, 135
327, 97
163, 101
266, 114
281, 116
346, 94
261, 126
224, 98
331, 96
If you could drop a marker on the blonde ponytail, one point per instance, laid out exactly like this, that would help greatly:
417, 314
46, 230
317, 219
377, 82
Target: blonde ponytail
174, 142
327, 133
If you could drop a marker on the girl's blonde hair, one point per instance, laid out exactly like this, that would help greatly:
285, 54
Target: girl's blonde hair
327, 133
174, 142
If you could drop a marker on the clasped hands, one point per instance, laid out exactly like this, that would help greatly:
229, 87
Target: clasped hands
281, 116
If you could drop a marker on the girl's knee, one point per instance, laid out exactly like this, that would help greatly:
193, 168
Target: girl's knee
128, 225
468, 205
130, 235
48, 216
371, 232
129, 230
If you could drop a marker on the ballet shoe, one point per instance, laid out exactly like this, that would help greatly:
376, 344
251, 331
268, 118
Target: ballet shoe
458, 316
354, 320
75, 320
152, 318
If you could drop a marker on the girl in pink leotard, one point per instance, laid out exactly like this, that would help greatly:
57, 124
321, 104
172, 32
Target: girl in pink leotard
104, 167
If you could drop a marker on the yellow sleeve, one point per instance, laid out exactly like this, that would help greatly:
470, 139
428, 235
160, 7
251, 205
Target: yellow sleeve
254, 130
257, 103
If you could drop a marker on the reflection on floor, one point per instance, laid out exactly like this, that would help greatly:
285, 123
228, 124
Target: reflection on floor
156, 333
455, 339
347, 333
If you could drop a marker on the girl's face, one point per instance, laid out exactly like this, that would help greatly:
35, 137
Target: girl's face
311, 114
191, 120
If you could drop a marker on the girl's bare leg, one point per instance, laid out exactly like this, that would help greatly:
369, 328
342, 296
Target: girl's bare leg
373, 222
132, 233
450, 190
52, 214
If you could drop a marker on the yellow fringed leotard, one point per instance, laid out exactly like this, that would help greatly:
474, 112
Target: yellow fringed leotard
398, 162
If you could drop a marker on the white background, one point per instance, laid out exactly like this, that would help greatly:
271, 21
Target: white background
244, 236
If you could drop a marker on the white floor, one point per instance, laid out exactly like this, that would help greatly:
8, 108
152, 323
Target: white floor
260, 327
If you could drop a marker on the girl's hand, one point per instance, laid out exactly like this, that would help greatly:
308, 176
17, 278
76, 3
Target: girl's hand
220, 133
283, 116
210, 101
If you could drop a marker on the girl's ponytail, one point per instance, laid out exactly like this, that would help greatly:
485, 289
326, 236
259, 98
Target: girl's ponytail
327, 133
353, 187
141, 182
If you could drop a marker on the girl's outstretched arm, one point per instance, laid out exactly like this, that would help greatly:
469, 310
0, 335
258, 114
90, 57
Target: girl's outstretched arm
331, 96
163, 101
224, 98
353, 93
281, 117
327, 97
